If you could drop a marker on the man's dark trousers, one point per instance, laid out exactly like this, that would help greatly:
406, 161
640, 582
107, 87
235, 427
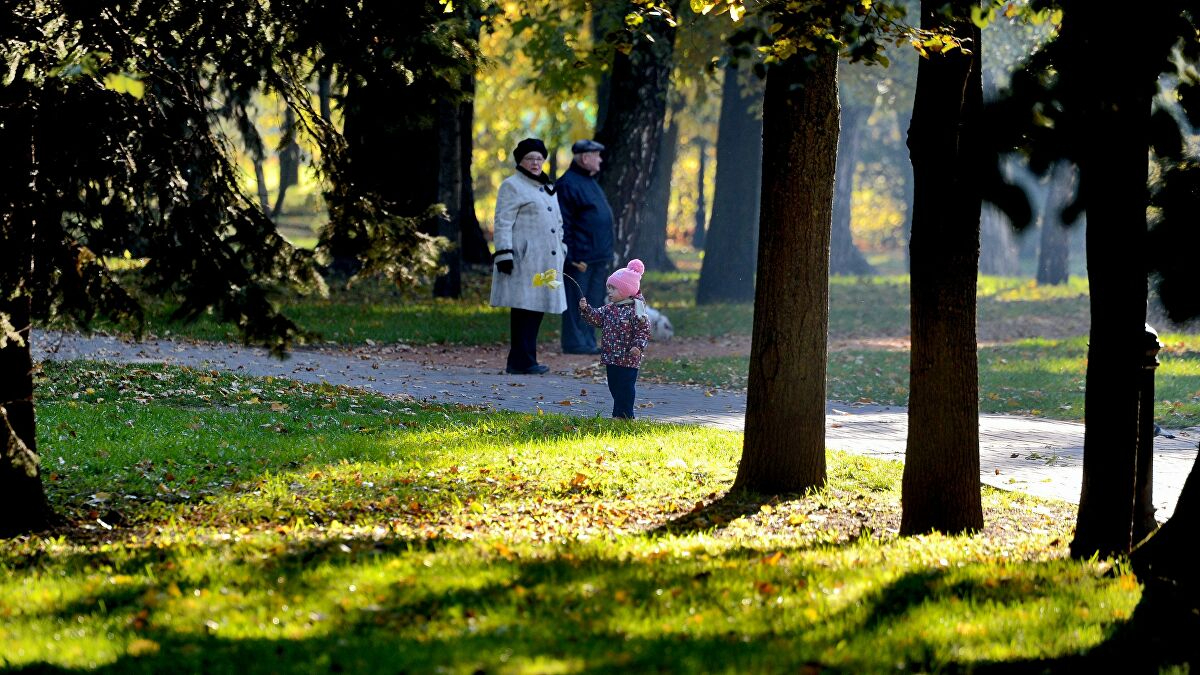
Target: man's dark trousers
578, 336
524, 325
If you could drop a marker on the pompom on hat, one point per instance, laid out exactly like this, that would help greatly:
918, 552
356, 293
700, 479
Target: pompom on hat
628, 279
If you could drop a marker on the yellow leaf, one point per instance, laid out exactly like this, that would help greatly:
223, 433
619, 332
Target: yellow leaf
477, 507
736, 12
578, 480
123, 83
767, 509
142, 647
773, 559
276, 406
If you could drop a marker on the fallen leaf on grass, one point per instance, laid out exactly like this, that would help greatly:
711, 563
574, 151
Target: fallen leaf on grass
773, 559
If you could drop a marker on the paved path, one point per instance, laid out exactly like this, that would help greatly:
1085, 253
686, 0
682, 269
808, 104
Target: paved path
1036, 456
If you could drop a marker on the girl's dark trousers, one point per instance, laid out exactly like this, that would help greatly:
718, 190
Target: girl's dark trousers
621, 383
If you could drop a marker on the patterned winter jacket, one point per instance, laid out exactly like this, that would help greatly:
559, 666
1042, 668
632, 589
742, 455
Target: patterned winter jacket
622, 331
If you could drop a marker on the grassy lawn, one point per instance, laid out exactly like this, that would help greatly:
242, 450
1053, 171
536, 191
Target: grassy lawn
1020, 373
1039, 377
859, 307
219, 523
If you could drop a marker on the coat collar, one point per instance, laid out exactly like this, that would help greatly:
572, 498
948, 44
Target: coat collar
541, 179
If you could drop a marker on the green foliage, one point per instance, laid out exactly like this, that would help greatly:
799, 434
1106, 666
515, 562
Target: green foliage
128, 156
309, 528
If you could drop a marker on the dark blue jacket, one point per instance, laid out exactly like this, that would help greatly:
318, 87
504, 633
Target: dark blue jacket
587, 217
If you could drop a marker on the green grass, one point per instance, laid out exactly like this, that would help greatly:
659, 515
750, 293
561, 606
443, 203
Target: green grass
376, 311
1039, 377
260, 525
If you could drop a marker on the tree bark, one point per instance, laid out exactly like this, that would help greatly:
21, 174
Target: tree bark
701, 211
784, 443
1167, 560
844, 256
23, 505
1113, 177
260, 181
325, 93
475, 249
1054, 254
450, 173
651, 245
941, 466
289, 161
632, 129
999, 253
731, 243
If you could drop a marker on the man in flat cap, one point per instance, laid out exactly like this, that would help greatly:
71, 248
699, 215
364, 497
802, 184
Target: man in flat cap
588, 234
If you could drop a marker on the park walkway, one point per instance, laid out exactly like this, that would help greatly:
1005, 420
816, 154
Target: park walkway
1037, 456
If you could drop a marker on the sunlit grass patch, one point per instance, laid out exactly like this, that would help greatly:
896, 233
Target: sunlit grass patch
1037, 376
328, 528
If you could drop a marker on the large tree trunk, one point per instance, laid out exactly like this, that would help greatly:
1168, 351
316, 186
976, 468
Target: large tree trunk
651, 245
784, 443
1113, 178
844, 256
23, 506
727, 272
1166, 562
632, 127
1054, 254
941, 466
701, 212
450, 173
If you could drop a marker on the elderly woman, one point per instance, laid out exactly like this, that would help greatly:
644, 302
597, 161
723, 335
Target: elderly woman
529, 239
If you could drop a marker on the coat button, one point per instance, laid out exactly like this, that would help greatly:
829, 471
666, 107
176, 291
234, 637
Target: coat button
553, 252
551, 230
550, 208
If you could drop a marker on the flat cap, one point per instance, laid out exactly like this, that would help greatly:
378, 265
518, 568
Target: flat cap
586, 145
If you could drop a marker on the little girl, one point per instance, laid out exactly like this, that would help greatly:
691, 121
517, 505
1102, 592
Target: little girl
625, 331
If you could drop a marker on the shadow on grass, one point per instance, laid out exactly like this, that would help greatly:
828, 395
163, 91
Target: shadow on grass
540, 615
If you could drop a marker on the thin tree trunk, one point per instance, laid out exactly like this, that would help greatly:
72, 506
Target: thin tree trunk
999, 253
474, 244
1055, 252
449, 284
784, 443
701, 212
731, 243
651, 245
632, 127
941, 466
475, 247
844, 256
23, 505
325, 93
260, 180
289, 161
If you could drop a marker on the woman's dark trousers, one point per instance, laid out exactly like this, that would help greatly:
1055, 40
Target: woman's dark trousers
524, 326
622, 383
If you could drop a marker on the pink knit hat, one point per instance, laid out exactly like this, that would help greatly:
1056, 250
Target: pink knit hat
628, 280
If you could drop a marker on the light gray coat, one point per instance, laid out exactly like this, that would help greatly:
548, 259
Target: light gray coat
528, 231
